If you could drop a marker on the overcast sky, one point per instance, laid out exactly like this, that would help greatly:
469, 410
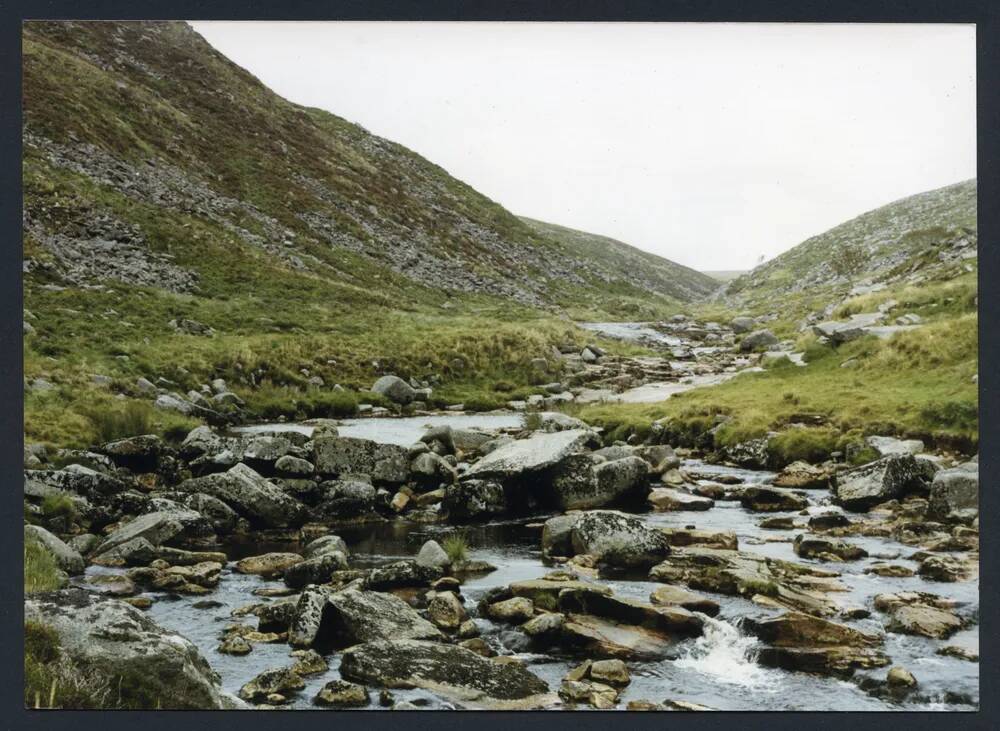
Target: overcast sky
709, 144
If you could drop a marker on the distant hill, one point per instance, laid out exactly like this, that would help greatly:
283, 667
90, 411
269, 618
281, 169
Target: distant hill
613, 261
725, 275
907, 240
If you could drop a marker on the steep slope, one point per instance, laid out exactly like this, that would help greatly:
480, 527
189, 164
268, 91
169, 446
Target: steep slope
931, 235
612, 261
149, 113
184, 223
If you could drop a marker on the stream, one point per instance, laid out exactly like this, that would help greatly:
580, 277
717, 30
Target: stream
717, 670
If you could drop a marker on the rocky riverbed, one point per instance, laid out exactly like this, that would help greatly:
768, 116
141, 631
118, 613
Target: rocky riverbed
304, 565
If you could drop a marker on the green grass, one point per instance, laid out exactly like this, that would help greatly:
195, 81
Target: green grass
58, 506
916, 384
41, 573
456, 546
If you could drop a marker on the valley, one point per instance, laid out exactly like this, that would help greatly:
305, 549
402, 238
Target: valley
303, 412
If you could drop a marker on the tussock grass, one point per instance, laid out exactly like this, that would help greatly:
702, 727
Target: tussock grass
456, 546
917, 383
41, 573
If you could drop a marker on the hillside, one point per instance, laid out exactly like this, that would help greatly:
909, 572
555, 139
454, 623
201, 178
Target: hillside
931, 235
148, 120
613, 261
183, 222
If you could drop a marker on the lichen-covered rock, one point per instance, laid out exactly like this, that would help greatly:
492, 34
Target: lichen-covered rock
799, 641
152, 529
768, 500
804, 476
446, 611
138, 454
316, 570
539, 451
401, 574
474, 499
955, 492
450, 670
352, 616
825, 549
395, 389
584, 481
250, 495
669, 499
618, 539
280, 681
342, 694
885, 479
68, 559
107, 637
385, 463
268, 564
675, 596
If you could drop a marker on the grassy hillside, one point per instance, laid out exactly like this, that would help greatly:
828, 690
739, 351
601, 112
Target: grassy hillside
915, 257
931, 235
163, 183
614, 261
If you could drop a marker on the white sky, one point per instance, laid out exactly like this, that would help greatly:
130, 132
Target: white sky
709, 144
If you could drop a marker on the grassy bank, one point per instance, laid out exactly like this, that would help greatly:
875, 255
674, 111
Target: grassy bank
917, 384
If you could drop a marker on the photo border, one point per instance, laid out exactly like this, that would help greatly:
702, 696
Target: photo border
983, 13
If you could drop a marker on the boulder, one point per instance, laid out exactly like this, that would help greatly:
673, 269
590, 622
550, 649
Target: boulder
346, 498
669, 499
861, 488
582, 481
770, 500
807, 546
449, 670
385, 463
675, 596
539, 451
516, 610
741, 324
757, 340
138, 454
401, 574
250, 495
149, 666
890, 446
618, 539
293, 466
597, 695
268, 564
342, 694
445, 610
222, 517
544, 593
557, 535
324, 545
68, 559
430, 468
804, 476
431, 555
280, 681
474, 499
316, 570
352, 616
151, 530
266, 450
799, 641
395, 389
955, 492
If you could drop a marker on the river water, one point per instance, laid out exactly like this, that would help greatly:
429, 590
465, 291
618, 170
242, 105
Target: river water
717, 670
